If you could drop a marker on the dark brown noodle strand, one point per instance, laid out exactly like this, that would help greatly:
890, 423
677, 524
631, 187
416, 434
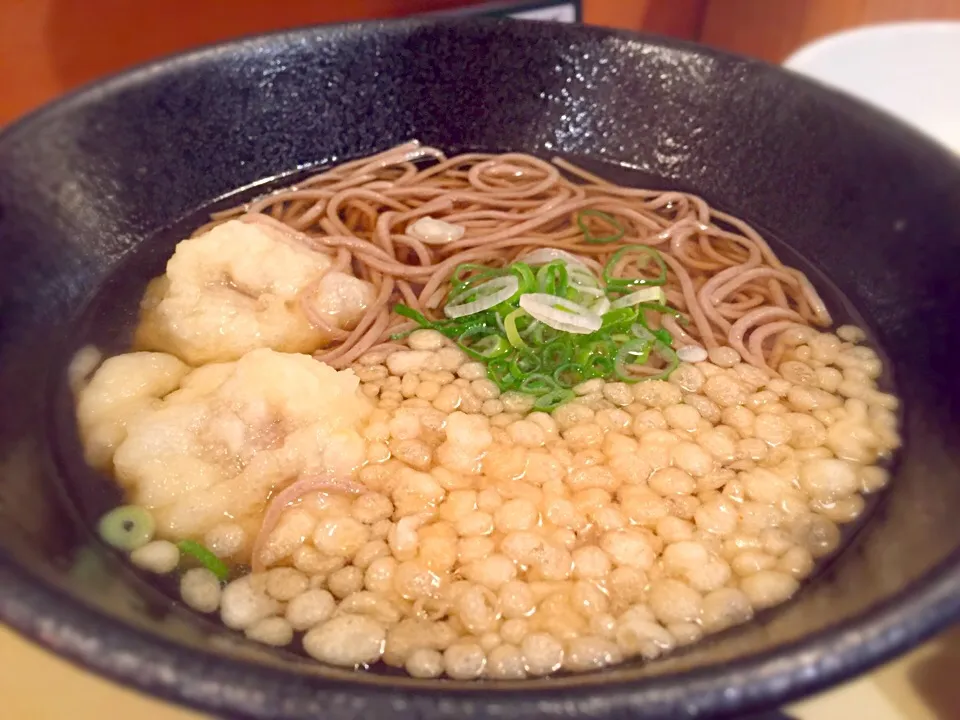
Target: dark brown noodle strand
721, 272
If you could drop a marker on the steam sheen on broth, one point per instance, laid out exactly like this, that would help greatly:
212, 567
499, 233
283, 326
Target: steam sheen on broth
483, 416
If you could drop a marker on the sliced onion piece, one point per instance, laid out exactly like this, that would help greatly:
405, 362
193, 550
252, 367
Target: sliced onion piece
579, 274
593, 292
435, 232
542, 256
601, 306
486, 295
581, 277
510, 329
644, 295
560, 313
590, 298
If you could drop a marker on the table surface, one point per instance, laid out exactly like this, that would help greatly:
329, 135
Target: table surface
920, 686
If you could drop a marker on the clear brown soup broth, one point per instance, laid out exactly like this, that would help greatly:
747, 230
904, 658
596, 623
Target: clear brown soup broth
108, 319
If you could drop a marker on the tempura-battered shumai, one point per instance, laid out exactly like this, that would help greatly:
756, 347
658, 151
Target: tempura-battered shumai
239, 287
548, 422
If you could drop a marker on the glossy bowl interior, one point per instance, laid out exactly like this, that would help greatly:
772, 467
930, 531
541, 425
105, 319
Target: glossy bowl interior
872, 204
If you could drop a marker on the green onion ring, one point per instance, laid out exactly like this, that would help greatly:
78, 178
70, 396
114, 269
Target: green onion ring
483, 273
618, 284
589, 237
557, 352
524, 273
510, 329
665, 310
524, 363
538, 384
553, 279
488, 346
206, 558
553, 399
600, 366
498, 370
560, 375
127, 527
633, 352
408, 312
670, 356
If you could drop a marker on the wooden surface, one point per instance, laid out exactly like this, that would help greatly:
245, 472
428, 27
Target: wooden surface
677, 18
48, 47
773, 29
35, 685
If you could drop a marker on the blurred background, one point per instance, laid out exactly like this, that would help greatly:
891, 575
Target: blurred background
50, 46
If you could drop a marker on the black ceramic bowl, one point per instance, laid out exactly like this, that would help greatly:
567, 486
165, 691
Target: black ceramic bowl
876, 207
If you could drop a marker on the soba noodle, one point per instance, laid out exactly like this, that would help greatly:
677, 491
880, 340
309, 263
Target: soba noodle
723, 274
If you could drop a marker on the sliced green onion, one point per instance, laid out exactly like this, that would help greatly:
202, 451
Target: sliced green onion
618, 230
600, 366
668, 355
589, 297
553, 399
127, 527
524, 273
450, 328
619, 318
607, 348
482, 344
621, 284
569, 375
402, 335
510, 328
634, 352
531, 329
643, 295
552, 279
557, 353
90, 567
543, 334
484, 296
582, 277
206, 558
638, 351
643, 333
547, 322
560, 314
492, 346
538, 384
663, 336
483, 273
665, 310
601, 307
524, 363
498, 370
418, 317
497, 319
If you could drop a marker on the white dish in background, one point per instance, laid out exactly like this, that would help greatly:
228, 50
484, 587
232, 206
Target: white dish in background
911, 70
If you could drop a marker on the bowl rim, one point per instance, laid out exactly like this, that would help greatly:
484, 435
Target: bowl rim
34, 607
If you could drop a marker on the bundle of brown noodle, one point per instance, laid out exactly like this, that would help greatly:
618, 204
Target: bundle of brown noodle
722, 273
